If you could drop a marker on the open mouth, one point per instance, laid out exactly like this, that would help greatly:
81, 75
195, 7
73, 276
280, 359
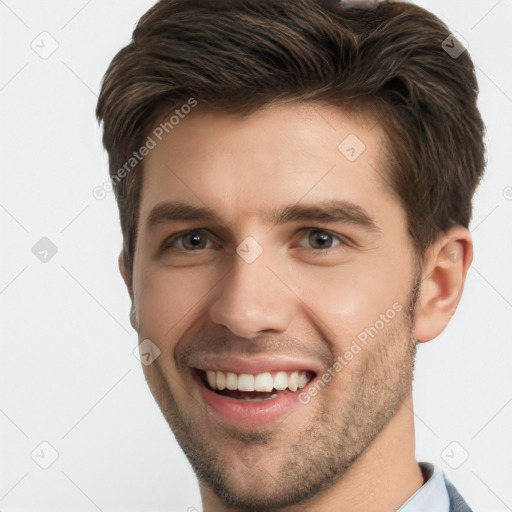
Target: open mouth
254, 387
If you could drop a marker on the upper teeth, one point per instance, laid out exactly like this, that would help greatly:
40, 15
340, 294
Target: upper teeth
266, 381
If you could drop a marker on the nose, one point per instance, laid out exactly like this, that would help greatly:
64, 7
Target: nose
253, 299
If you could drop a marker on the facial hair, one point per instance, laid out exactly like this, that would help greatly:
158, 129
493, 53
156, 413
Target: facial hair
318, 454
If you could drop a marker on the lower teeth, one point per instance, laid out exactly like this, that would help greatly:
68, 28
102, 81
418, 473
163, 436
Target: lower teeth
248, 398
257, 399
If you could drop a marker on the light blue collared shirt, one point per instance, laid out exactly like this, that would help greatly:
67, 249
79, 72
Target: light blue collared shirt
432, 496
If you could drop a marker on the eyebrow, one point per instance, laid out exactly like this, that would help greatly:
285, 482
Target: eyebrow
324, 211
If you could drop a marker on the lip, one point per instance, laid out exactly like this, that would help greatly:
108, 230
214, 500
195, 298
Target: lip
248, 414
255, 365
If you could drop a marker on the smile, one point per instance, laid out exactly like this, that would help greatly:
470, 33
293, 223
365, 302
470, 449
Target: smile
250, 399
260, 382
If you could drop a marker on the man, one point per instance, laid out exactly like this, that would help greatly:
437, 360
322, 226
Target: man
294, 181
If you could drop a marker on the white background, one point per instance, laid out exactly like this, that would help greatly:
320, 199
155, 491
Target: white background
67, 372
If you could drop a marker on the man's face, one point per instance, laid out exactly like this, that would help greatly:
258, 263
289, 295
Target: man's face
270, 284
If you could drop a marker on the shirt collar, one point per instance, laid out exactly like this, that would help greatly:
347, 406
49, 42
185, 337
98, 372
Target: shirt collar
433, 495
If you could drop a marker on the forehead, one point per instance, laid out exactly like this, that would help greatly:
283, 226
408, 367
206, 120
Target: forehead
244, 165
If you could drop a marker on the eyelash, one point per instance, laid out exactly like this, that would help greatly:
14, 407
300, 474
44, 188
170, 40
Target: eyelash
324, 252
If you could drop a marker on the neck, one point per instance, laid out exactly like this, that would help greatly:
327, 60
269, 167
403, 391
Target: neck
384, 476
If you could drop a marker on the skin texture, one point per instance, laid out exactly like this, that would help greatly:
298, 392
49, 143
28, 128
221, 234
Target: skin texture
352, 445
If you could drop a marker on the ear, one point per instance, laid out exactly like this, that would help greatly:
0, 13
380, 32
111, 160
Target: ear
446, 264
125, 273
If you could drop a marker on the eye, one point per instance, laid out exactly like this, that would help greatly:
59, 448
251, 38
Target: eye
322, 240
189, 241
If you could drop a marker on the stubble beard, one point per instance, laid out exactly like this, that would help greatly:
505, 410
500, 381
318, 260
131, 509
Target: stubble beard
323, 450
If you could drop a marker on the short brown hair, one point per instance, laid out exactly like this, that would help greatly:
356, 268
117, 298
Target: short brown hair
242, 55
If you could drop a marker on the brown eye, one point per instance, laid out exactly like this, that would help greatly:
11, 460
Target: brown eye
189, 241
321, 242
320, 239
193, 240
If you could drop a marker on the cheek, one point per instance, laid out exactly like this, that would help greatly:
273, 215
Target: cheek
348, 300
167, 299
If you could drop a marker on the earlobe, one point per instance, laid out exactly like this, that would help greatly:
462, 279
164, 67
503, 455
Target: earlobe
445, 268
